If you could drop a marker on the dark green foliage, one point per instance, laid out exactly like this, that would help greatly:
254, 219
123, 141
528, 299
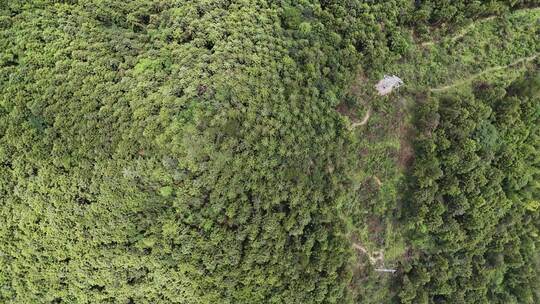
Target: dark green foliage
474, 207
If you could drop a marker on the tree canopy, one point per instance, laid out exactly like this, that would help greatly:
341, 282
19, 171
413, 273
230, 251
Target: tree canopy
191, 152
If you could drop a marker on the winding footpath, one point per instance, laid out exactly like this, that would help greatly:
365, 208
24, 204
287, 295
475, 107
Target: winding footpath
489, 70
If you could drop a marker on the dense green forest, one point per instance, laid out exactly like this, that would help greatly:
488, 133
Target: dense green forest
474, 203
222, 151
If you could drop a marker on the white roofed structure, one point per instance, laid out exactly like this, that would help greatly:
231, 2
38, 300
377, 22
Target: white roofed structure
387, 84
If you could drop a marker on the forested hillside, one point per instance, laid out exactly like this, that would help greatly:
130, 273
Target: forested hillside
474, 203
199, 151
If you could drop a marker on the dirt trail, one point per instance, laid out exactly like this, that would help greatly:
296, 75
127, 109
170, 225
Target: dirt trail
489, 70
364, 120
377, 256
464, 31
469, 27
378, 181
376, 259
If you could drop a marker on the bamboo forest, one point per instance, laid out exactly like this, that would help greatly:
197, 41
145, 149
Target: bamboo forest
265, 151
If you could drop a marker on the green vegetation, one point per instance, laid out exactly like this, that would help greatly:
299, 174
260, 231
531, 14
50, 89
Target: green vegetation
236, 152
473, 210
429, 69
475, 52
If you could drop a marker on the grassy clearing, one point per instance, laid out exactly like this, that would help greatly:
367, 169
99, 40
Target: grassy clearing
489, 44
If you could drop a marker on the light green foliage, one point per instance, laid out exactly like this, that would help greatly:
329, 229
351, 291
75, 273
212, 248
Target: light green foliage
173, 152
191, 152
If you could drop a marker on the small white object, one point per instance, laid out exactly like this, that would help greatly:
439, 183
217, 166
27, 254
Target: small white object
385, 270
387, 84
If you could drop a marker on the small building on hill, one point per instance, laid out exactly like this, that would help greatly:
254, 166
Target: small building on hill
387, 84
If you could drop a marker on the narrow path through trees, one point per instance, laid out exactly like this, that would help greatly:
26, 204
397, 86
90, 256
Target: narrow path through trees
460, 33
489, 70
364, 120
469, 27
